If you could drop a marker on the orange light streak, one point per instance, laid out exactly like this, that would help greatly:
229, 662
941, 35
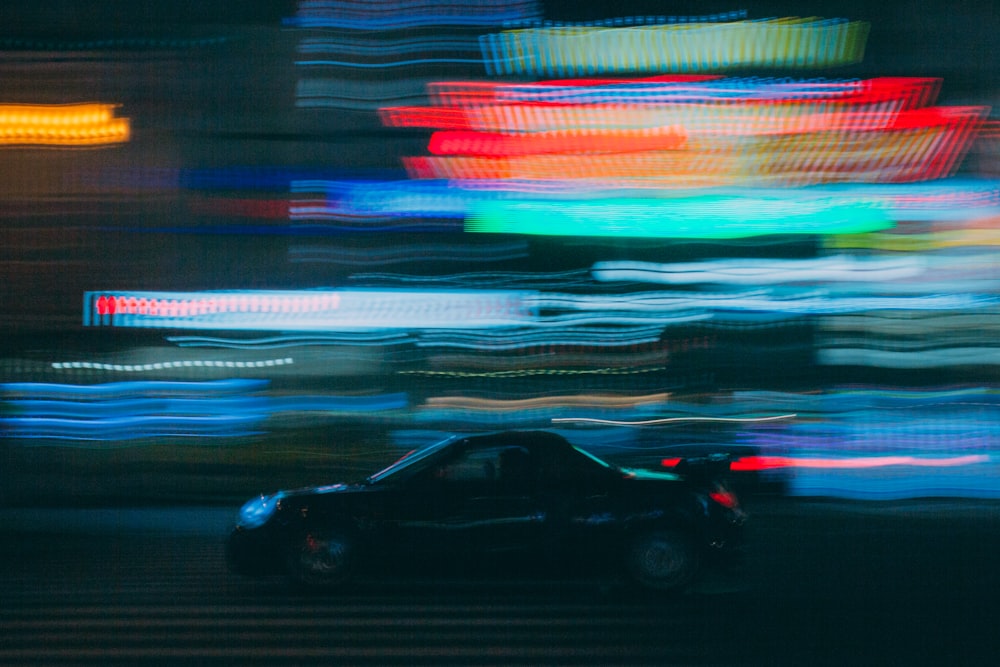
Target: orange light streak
61, 125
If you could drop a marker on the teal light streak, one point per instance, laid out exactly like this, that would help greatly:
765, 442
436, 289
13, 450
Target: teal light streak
708, 217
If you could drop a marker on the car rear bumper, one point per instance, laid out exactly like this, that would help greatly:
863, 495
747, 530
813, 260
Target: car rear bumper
726, 545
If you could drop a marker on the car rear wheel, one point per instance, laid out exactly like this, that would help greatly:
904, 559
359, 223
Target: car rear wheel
662, 560
322, 559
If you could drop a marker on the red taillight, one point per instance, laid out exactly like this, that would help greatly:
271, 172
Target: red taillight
725, 498
759, 463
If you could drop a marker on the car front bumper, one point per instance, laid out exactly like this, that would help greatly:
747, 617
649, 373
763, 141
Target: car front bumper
252, 553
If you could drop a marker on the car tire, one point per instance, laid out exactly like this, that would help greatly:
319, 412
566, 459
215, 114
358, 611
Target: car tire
322, 559
662, 560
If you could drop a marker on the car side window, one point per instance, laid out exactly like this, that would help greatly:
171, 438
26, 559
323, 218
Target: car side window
473, 465
506, 468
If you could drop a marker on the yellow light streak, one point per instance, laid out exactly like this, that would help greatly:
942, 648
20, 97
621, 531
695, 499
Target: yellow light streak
61, 125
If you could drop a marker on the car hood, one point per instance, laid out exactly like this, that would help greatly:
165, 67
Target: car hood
328, 489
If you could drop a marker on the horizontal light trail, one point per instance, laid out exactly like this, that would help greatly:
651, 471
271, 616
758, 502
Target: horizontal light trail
62, 125
759, 272
698, 47
362, 338
958, 200
854, 463
125, 389
674, 420
166, 365
694, 217
877, 94
410, 253
944, 357
360, 15
516, 311
308, 310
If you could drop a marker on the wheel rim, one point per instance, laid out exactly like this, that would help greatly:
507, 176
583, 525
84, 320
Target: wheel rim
323, 559
663, 561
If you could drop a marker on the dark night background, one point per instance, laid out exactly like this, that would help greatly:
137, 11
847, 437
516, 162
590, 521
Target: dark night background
210, 89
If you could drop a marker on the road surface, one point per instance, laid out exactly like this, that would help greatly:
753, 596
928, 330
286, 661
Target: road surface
827, 583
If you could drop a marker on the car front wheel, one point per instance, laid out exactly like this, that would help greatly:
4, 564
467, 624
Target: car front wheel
321, 559
662, 560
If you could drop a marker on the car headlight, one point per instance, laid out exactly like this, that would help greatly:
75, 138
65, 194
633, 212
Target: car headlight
256, 512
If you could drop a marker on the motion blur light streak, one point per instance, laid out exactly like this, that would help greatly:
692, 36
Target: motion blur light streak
885, 93
673, 420
511, 220
163, 365
772, 462
399, 14
920, 355
61, 125
690, 217
532, 372
320, 92
481, 279
716, 124
132, 428
584, 400
887, 323
293, 340
583, 141
125, 389
971, 202
532, 412
342, 40
644, 132
407, 254
367, 47
68, 48
308, 310
124, 411
749, 271
800, 156
576, 336
687, 47
364, 309
914, 242
130, 410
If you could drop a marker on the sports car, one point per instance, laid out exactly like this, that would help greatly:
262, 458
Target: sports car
525, 495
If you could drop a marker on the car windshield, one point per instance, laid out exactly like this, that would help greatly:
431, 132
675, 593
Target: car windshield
592, 457
409, 460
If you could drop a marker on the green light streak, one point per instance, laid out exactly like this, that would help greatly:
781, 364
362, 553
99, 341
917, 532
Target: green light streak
704, 217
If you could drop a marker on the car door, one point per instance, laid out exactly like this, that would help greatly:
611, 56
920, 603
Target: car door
480, 500
576, 494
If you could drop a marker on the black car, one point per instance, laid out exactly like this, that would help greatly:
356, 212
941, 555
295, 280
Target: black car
528, 494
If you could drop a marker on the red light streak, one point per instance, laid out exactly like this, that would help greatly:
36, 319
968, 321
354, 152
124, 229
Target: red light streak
448, 118
724, 498
109, 304
678, 167
759, 463
469, 93
269, 209
609, 141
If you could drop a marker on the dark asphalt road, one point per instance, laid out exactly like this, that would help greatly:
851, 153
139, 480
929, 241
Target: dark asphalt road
827, 583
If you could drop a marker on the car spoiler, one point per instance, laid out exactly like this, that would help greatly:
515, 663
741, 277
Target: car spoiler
703, 466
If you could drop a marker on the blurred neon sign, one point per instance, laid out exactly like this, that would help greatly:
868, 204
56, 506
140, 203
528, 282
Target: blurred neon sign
61, 125
683, 47
308, 310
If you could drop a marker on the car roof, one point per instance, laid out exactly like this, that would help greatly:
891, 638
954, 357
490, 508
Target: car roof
544, 438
